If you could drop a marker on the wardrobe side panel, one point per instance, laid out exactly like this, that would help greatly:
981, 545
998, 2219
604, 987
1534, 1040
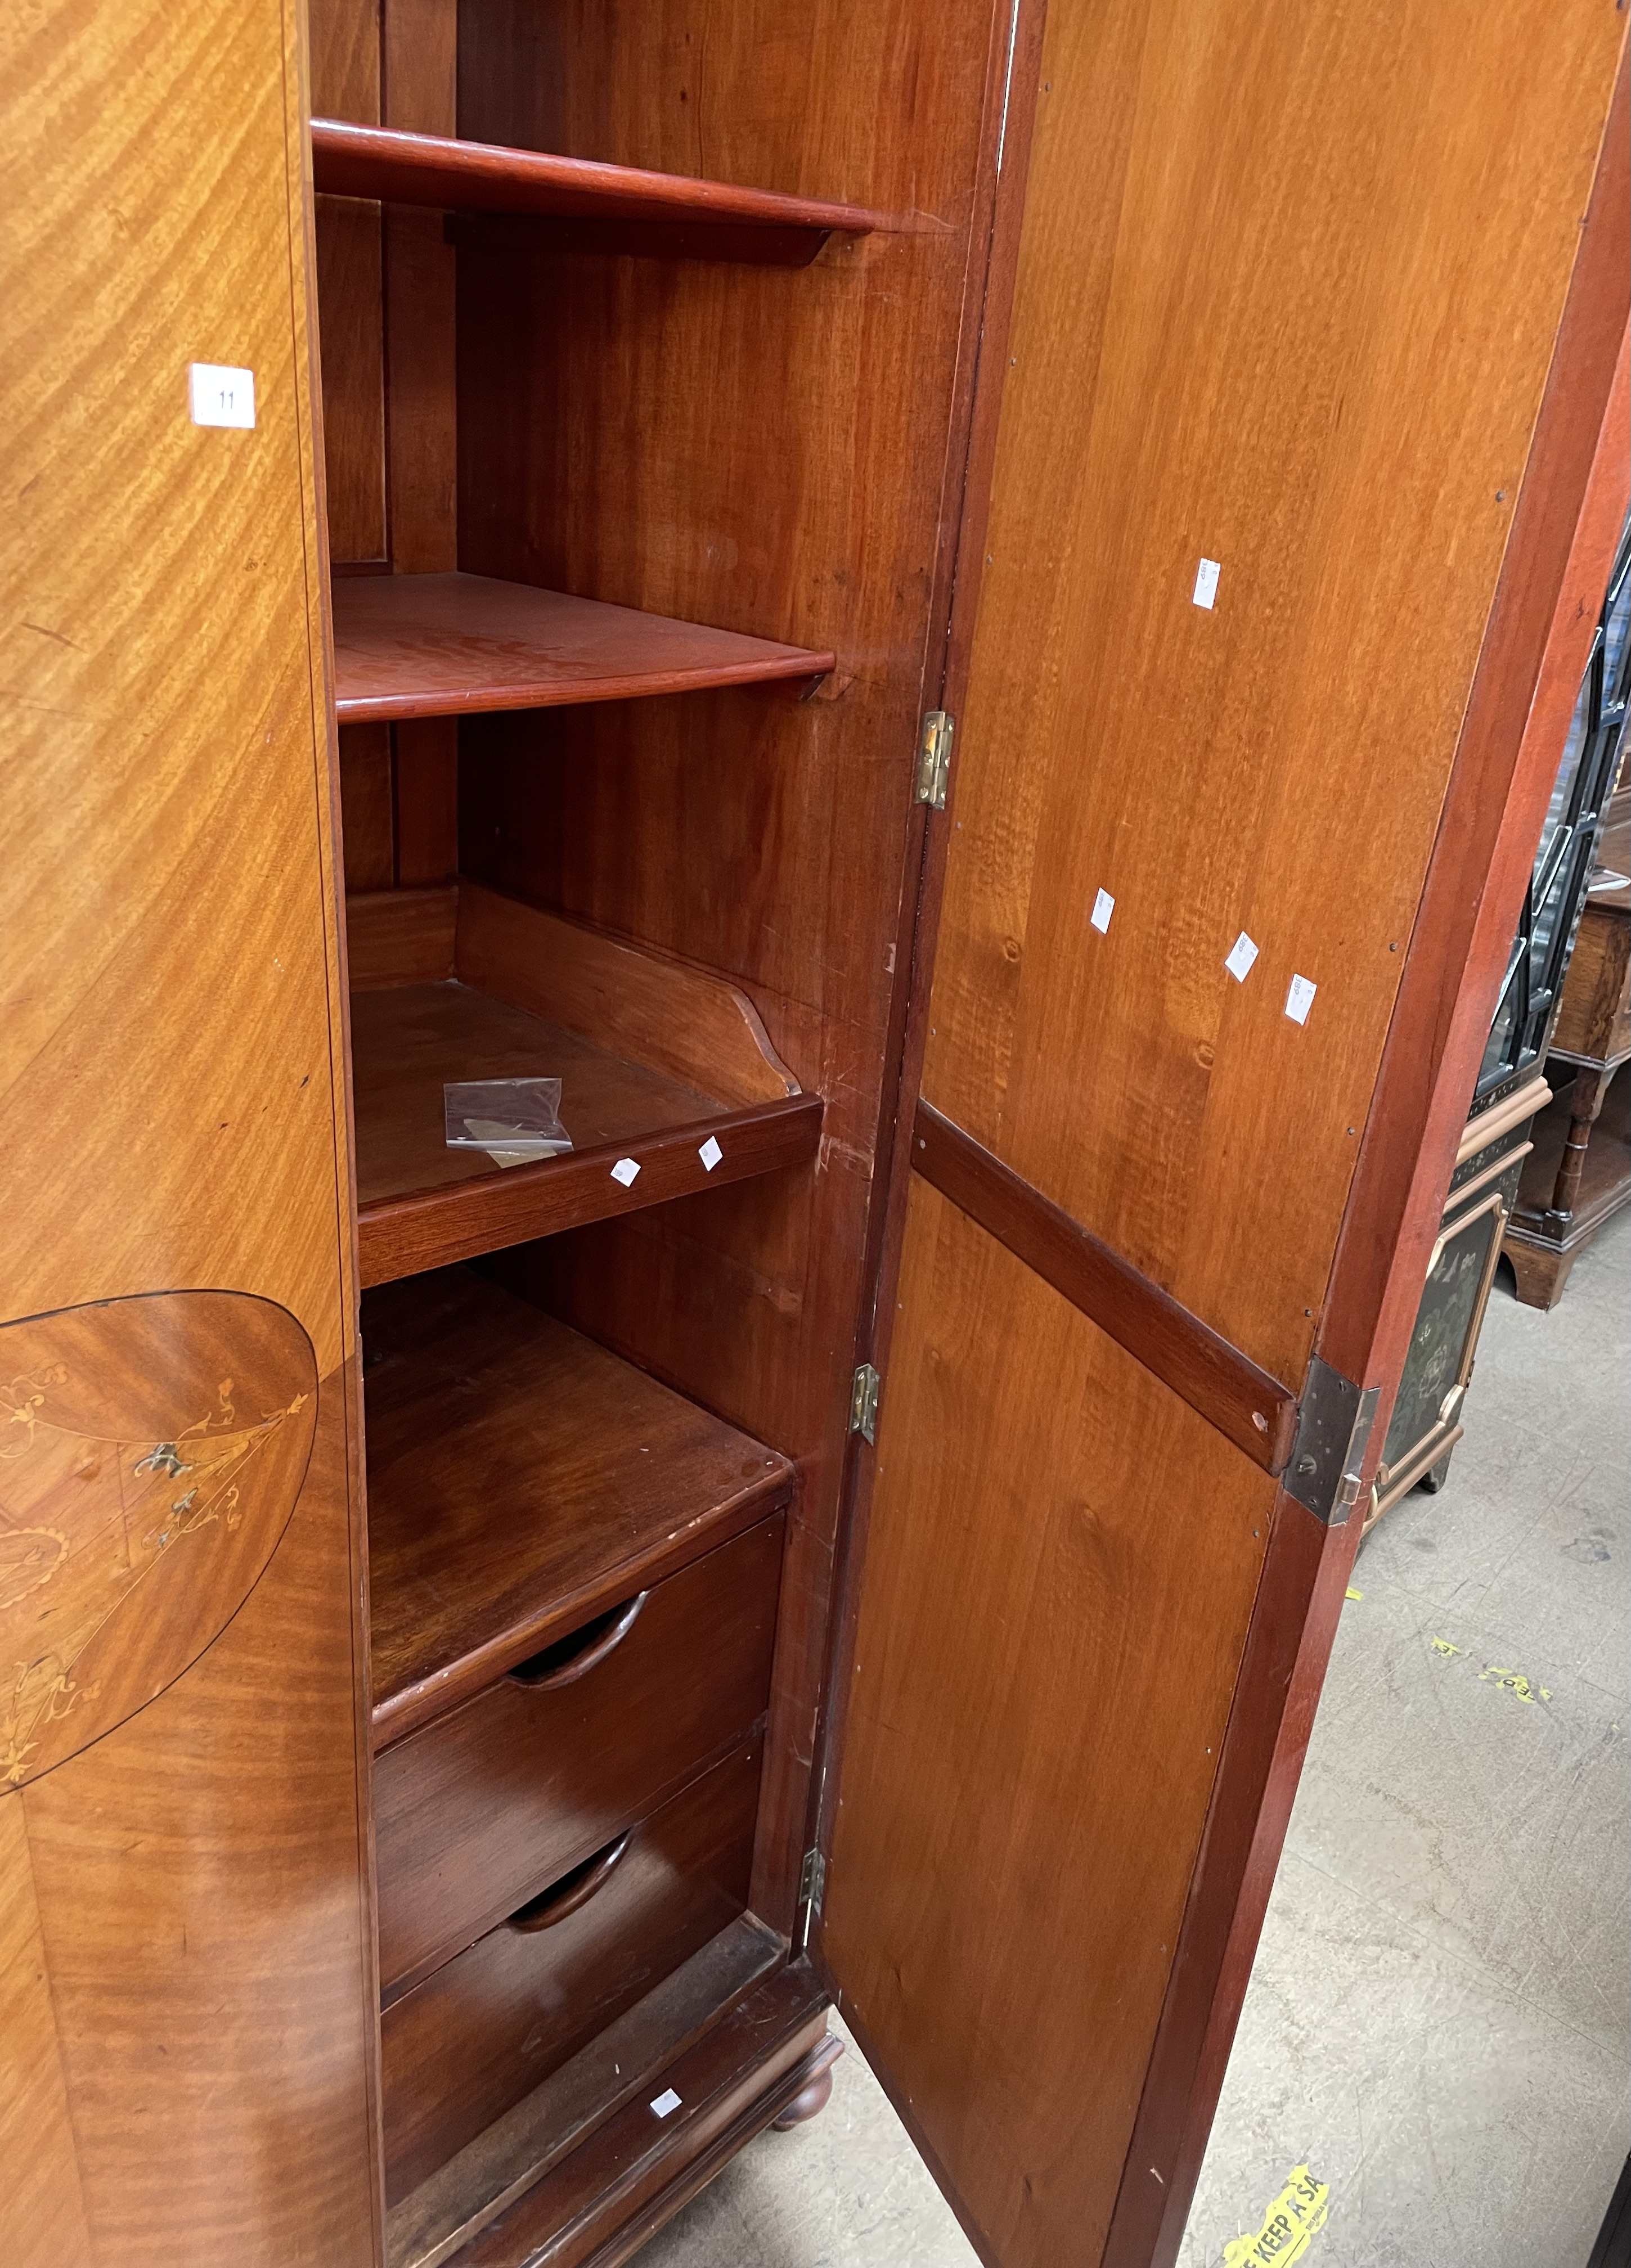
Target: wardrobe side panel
187, 2038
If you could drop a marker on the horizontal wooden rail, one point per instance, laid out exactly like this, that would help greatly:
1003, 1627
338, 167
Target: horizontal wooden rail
1223, 1385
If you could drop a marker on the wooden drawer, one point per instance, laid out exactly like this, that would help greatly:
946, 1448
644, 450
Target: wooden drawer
488, 2027
531, 1779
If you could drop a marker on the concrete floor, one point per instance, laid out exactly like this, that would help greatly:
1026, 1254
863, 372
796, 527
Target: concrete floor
1439, 2021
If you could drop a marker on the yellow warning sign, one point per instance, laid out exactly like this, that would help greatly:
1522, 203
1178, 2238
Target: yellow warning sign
1296, 2213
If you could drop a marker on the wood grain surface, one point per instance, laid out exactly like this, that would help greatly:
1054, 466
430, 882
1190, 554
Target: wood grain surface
354, 160
683, 1021
399, 937
1250, 1409
191, 1884
780, 451
521, 1480
626, 2179
549, 2127
448, 645
1274, 764
1061, 1562
490, 1804
492, 2024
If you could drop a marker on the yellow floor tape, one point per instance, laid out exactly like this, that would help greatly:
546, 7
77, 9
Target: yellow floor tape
1296, 2213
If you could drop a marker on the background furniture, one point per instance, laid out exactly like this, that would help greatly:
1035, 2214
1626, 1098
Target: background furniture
744, 510
1580, 1174
1572, 907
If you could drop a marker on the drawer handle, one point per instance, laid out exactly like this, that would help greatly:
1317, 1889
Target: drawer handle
573, 1657
571, 1891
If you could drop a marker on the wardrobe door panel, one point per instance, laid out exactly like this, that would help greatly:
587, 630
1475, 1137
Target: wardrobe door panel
1288, 430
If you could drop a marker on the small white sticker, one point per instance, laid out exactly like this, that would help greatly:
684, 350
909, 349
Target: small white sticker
218, 395
665, 2102
1103, 906
1207, 582
1300, 999
711, 1154
1240, 957
625, 1171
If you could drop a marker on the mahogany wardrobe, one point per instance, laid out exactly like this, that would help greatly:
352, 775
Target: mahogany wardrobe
959, 615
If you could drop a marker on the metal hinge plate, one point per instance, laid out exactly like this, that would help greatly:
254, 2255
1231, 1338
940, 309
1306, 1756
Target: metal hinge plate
864, 1402
1334, 1419
812, 1884
934, 757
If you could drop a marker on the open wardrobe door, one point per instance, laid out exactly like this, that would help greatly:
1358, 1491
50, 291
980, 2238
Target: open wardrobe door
1280, 568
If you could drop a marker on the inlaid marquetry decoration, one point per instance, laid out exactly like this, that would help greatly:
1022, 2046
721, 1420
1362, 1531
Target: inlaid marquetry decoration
151, 1450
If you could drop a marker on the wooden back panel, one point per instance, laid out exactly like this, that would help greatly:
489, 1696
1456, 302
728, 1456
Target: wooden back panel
187, 2037
776, 450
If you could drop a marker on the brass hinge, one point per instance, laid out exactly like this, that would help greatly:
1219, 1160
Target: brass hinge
812, 1883
864, 1402
934, 757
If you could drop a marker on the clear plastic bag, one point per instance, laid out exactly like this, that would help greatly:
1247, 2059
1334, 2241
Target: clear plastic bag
516, 1121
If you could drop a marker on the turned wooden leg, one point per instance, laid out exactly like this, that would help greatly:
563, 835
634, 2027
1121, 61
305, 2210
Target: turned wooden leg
808, 2102
1590, 1088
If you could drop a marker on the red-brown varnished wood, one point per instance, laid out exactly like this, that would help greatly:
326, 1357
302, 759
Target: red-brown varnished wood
604, 2201
355, 160
344, 45
489, 1805
1540, 623
782, 452
1044, 1053
419, 92
521, 1480
399, 1236
451, 646
365, 793
426, 800
476, 2037
625, 1029
1177, 393
349, 282
1252, 1409
401, 937
1061, 1564
620, 2065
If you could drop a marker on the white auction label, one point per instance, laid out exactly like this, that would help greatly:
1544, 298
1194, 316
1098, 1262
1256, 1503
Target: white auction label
1103, 906
1240, 957
218, 395
625, 1171
711, 1154
1300, 999
665, 2102
1207, 582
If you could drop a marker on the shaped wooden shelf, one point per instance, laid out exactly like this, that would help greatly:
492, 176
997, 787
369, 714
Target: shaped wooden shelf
714, 218
456, 645
521, 1480
659, 1062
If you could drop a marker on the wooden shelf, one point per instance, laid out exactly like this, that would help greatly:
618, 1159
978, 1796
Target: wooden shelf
428, 169
521, 1479
456, 645
655, 1058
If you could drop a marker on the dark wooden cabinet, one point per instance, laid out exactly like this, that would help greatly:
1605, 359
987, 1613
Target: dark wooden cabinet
679, 553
